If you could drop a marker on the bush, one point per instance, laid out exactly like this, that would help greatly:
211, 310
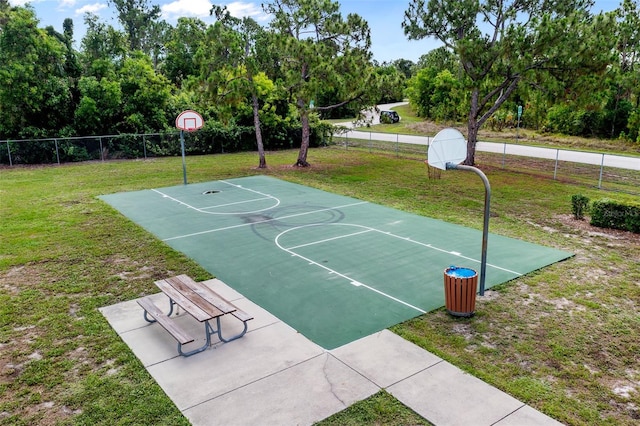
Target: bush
571, 121
608, 213
633, 125
579, 204
633, 219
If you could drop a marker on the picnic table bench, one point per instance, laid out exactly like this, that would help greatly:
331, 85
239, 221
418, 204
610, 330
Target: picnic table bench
199, 301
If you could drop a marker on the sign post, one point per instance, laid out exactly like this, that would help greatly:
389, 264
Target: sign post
518, 126
189, 121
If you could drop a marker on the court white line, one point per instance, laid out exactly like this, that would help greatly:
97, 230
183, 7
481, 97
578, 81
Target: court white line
352, 281
366, 229
262, 221
247, 189
202, 209
329, 239
255, 192
454, 253
189, 206
369, 229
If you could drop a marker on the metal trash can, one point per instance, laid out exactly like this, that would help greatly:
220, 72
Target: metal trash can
460, 287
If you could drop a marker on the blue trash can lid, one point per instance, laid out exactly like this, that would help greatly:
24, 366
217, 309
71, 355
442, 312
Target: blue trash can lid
460, 272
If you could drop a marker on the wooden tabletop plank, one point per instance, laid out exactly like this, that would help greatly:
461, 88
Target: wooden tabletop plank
198, 312
180, 283
208, 294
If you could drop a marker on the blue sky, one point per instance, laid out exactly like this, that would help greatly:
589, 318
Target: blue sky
384, 17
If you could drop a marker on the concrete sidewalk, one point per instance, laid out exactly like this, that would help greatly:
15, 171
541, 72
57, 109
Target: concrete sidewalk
275, 376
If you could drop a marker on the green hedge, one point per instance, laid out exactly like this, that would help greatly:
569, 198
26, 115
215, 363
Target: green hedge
607, 213
579, 206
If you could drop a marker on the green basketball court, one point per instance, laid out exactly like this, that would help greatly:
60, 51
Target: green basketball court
334, 268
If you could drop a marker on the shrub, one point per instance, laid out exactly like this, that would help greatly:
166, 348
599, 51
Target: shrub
579, 204
633, 219
608, 213
568, 120
633, 125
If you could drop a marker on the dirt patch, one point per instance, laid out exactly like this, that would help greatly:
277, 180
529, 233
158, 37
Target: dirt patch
584, 227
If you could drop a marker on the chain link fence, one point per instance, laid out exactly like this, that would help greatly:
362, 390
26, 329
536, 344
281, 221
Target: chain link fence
106, 147
150, 145
551, 164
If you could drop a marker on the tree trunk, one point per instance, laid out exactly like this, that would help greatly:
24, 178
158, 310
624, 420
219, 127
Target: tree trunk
256, 123
472, 139
304, 145
472, 130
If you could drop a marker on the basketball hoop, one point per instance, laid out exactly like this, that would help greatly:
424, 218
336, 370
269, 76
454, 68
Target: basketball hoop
448, 147
446, 152
189, 121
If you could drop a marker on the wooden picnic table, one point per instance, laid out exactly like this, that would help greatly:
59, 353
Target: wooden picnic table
199, 301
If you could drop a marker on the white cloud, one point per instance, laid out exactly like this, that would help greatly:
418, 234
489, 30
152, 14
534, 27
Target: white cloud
20, 2
186, 8
201, 9
241, 9
61, 4
91, 8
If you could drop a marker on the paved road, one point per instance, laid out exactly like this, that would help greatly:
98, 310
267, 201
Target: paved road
373, 114
598, 159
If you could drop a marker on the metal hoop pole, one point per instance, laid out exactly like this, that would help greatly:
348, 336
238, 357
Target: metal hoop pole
485, 230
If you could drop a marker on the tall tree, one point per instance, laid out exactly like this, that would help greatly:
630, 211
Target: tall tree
155, 43
500, 43
434, 94
440, 58
99, 111
102, 47
627, 68
145, 96
628, 47
392, 82
183, 41
35, 92
239, 58
72, 66
405, 66
137, 18
319, 49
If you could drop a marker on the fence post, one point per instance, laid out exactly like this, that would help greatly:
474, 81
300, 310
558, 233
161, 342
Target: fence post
555, 169
57, 152
144, 146
101, 149
601, 170
9, 151
428, 143
504, 154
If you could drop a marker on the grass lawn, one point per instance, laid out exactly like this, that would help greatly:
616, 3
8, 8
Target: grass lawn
565, 340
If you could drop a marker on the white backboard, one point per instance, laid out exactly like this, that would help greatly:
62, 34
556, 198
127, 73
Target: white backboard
189, 120
448, 146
